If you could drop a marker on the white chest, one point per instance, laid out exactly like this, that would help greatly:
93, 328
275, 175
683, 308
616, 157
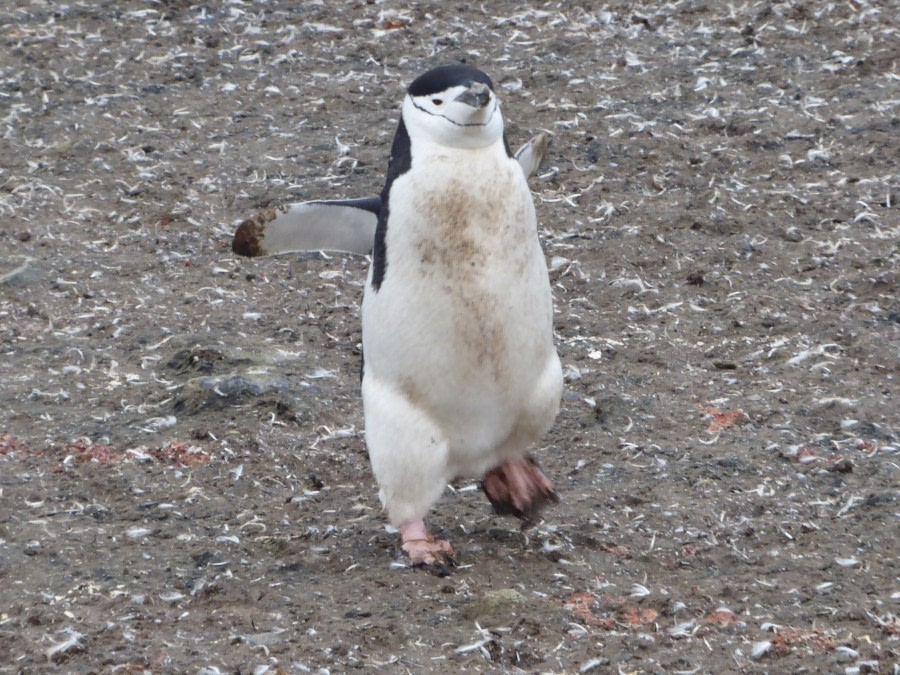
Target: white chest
463, 216
462, 321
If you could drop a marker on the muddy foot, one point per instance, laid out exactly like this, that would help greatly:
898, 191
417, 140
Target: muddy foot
422, 548
518, 487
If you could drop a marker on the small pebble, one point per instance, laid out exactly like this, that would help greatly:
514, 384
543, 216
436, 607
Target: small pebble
842, 466
847, 562
846, 654
18, 271
792, 234
760, 649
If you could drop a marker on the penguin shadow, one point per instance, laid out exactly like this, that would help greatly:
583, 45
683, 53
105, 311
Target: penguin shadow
478, 534
481, 532
496, 538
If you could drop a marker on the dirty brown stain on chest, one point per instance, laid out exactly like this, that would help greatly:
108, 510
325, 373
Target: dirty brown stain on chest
463, 224
453, 216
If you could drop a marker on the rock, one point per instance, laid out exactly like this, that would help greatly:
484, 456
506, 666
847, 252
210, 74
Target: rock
264, 639
842, 466
212, 392
18, 271
218, 376
609, 411
199, 359
500, 605
792, 234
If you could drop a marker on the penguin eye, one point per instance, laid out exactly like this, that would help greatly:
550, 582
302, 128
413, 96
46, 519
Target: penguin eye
437, 101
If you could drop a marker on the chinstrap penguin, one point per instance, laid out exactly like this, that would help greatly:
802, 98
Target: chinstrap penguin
460, 377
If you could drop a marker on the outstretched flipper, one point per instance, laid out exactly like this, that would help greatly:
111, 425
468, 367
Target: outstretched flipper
344, 225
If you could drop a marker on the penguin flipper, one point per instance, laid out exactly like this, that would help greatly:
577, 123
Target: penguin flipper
532, 154
345, 225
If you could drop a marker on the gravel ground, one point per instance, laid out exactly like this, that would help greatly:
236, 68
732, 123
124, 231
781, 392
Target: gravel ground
183, 481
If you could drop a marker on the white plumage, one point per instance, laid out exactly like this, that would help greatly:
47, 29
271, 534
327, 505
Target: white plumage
461, 376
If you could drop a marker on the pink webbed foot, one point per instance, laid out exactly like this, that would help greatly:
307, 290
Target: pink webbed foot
421, 546
518, 487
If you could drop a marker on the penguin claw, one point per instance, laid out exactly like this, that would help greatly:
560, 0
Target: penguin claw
519, 488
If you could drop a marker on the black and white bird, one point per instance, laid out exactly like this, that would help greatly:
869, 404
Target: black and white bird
461, 377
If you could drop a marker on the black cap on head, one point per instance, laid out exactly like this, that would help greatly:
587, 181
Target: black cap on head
443, 77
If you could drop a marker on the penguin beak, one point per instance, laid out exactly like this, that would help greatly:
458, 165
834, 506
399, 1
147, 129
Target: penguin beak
478, 95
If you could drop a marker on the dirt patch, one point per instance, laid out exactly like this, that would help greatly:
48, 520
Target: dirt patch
183, 483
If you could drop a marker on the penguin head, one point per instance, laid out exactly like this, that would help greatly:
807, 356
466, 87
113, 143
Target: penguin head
453, 106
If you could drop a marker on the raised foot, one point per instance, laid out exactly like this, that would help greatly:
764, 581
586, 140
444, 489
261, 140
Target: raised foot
519, 488
422, 548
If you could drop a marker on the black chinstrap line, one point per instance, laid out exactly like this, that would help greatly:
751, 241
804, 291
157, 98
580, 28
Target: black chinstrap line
427, 112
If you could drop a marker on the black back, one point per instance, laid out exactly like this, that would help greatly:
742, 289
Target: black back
398, 164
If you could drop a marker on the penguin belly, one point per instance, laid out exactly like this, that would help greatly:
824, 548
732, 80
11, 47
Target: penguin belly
460, 330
